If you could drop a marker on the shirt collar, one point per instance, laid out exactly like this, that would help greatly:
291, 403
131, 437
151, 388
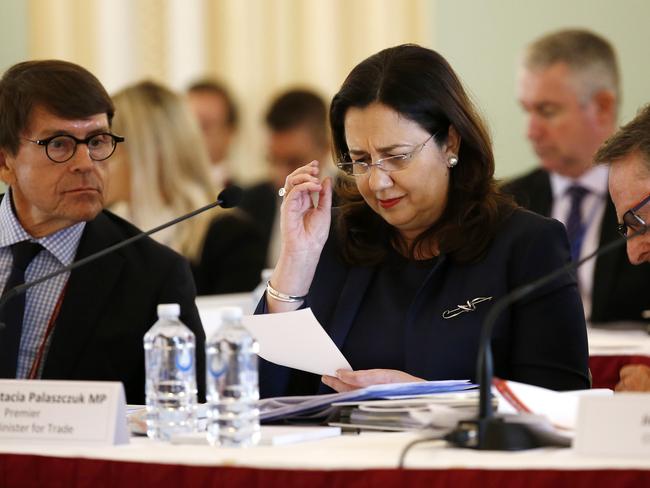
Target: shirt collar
61, 244
594, 180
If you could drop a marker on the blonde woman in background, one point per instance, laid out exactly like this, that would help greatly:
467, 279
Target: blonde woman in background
163, 172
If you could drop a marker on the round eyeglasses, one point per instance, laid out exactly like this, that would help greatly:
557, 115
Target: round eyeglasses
360, 167
61, 148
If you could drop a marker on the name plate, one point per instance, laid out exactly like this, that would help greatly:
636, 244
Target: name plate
617, 425
72, 412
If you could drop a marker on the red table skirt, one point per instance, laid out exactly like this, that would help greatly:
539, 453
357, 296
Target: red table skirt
605, 369
27, 471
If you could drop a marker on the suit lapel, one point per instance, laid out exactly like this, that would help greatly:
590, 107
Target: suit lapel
87, 294
348, 304
426, 290
354, 290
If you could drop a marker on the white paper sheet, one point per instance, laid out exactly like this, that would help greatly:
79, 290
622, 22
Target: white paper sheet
297, 340
559, 407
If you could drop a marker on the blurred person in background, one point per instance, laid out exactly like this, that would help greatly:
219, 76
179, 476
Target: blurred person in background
218, 118
162, 173
402, 274
568, 85
297, 132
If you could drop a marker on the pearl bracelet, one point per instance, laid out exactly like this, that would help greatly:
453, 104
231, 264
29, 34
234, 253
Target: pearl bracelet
282, 297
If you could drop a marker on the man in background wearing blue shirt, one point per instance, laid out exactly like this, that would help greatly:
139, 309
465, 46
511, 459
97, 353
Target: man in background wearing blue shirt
568, 85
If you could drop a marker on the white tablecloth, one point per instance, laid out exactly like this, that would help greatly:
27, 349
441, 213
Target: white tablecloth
365, 451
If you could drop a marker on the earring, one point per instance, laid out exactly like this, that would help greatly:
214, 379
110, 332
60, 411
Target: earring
452, 161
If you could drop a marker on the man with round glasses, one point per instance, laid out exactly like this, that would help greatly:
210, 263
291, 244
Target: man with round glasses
628, 152
55, 145
61, 148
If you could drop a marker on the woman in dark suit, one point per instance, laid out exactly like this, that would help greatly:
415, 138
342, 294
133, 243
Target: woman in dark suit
401, 275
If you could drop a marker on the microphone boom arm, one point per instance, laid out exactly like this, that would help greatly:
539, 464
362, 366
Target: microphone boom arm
21, 288
489, 433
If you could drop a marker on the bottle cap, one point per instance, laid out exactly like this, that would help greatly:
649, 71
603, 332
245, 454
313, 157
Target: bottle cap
170, 310
231, 313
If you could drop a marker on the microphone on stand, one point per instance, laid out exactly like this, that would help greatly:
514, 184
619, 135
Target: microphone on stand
494, 433
228, 198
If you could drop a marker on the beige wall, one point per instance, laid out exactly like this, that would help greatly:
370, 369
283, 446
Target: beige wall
258, 47
482, 39
13, 38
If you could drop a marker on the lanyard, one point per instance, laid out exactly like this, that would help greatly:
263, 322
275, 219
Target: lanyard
36, 365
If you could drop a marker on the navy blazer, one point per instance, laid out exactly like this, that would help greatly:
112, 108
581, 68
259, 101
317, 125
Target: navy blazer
620, 289
110, 303
540, 340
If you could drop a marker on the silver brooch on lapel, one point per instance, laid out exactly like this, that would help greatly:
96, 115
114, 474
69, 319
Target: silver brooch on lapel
469, 306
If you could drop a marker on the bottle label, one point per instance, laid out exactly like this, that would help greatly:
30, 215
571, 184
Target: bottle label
185, 359
216, 367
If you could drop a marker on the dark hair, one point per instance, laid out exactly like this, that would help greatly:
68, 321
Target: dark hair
633, 136
296, 108
213, 87
420, 85
65, 89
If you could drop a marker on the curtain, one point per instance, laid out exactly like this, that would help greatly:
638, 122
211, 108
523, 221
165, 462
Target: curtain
257, 47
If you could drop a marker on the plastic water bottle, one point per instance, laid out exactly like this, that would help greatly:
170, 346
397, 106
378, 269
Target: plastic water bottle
232, 383
169, 348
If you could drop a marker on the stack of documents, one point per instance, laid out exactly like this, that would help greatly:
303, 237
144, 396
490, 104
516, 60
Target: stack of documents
436, 413
316, 408
319, 407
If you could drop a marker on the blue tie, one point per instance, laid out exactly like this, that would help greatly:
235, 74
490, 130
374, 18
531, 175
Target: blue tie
575, 227
11, 316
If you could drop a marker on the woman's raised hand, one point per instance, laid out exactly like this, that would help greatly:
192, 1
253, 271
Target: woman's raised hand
305, 225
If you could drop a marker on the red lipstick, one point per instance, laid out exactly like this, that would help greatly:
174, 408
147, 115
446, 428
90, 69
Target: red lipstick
390, 202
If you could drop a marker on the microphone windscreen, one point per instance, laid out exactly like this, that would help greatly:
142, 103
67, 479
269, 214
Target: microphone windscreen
230, 197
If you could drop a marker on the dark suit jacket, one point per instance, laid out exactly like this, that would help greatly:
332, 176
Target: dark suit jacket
620, 290
539, 340
233, 256
260, 202
110, 304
